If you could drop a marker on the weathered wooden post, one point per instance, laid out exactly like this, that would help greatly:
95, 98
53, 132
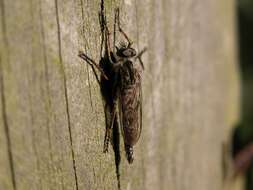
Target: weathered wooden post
51, 113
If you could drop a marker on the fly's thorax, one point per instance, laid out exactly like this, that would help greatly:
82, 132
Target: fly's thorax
130, 73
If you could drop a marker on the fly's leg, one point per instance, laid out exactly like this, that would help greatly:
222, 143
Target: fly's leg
108, 132
120, 29
108, 43
113, 118
105, 33
93, 69
114, 32
101, 23
101, 16
92, 63
103, 26
138, 56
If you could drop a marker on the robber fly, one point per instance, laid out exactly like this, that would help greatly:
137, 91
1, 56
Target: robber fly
120, 84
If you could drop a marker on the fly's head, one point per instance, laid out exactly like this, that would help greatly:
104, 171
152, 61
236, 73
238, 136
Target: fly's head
125, 51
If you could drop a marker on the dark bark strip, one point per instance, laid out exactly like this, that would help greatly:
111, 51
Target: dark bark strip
5, 120
66, 93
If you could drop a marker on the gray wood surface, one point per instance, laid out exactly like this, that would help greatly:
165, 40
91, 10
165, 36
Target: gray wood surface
51, 118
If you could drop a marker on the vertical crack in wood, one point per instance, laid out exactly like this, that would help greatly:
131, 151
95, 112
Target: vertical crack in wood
66, 94
4, 112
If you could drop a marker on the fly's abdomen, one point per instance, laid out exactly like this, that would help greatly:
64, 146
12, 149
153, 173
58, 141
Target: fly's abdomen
130, 102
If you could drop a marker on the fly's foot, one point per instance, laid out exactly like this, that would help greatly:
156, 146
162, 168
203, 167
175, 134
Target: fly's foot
106, 142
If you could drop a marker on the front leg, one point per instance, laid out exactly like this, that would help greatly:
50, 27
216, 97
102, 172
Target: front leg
117, 19
91, 63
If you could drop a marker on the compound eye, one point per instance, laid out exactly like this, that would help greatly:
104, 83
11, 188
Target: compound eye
129, 52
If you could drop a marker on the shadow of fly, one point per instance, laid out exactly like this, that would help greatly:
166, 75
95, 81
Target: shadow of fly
120, 70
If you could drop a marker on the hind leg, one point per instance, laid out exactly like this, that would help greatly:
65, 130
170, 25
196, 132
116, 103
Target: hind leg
108, 132
113, 117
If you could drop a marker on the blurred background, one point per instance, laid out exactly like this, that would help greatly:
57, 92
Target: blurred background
244, 131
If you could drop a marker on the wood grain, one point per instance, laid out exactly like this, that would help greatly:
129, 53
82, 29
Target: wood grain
52, 121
